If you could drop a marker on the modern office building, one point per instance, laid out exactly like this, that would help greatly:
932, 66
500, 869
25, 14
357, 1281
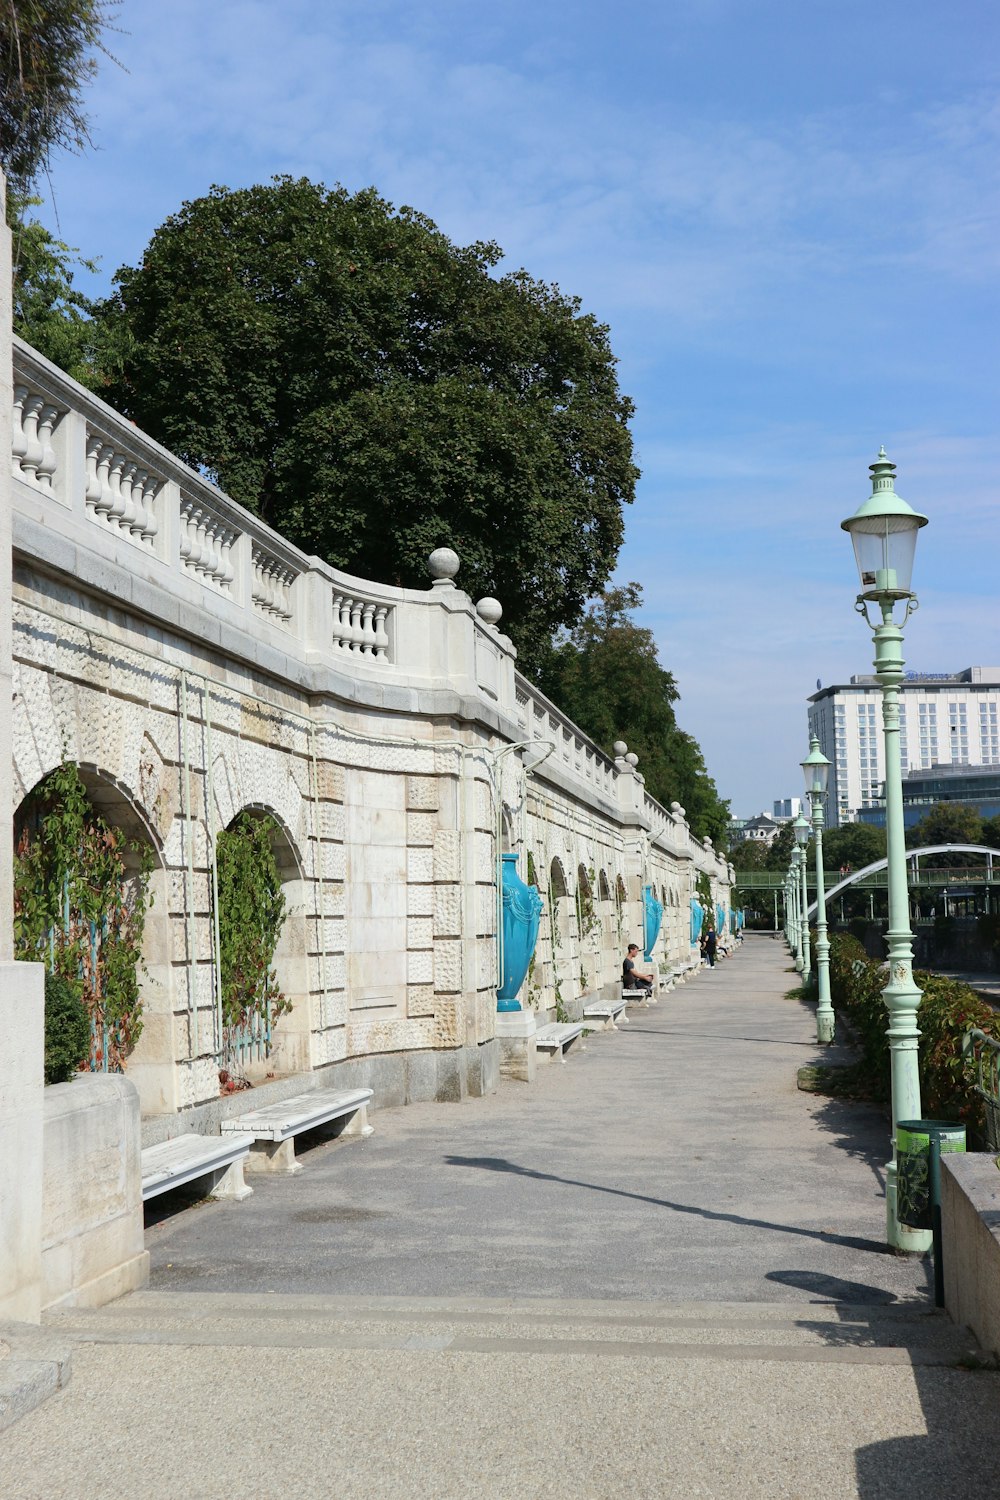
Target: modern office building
945, 719
977, 787
786, 808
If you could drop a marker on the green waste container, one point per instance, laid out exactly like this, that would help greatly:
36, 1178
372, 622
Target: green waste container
918, 1187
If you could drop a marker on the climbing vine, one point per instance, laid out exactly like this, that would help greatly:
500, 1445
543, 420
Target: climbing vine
81, 893
251, 914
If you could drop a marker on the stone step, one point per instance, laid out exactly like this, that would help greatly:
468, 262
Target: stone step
909, 1333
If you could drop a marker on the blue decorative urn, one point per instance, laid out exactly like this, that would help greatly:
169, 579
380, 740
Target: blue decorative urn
697, 917
522, 910
652, 912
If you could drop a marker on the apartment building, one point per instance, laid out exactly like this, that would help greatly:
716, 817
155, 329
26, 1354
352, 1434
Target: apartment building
945, 719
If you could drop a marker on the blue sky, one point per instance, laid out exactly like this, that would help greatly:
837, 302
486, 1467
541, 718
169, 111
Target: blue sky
786, 210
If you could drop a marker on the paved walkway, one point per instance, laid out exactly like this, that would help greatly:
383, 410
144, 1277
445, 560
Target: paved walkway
659, 1271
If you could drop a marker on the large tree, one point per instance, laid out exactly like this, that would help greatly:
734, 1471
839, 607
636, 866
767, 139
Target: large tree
50, 311
605, 673
374, 391
47, 57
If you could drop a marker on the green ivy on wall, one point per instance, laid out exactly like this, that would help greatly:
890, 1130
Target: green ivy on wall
81, 893
251, 914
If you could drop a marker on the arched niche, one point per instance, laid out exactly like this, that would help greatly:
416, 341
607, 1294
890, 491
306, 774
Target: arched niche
558, 884
508, 837
284, 1046
603, 888
150, 1062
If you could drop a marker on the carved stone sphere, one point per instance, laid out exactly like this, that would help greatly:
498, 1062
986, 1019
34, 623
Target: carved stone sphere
443, 563
619, 747
489, 610
632, 758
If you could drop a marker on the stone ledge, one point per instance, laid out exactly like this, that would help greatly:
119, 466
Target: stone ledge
36, 1366
970, 1214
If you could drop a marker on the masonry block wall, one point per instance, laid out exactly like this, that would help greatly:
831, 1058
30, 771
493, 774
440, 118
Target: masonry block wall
196, 667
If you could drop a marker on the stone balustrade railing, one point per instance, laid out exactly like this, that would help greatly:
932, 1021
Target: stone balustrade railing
88, 475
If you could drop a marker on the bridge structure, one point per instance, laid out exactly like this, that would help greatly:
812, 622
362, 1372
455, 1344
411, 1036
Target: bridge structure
931, 878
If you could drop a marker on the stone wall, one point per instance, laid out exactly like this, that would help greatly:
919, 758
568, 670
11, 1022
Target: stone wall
195, 666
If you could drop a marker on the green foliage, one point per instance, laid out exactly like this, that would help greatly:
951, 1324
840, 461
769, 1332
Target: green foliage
855, 844
47, 59
67, 1029
948, 1009
80, 901
374, 391
50, 312
532, 872
605, 673
780, 849
750, 854
947, 823
586, 914
703, 890
251, 913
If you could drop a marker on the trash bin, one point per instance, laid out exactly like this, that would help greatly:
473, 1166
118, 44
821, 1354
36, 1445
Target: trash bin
918, 1185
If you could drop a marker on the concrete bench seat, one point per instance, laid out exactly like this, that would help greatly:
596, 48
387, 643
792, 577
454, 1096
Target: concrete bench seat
189, 1158
273, 1129
638, 997
558, 1037
608, 1011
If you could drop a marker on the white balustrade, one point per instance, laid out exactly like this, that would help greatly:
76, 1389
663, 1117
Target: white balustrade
272, 585
206, 542
360, 626
35, 419
120, 491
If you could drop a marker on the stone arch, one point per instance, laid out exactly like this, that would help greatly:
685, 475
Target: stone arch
289, 1041
621, 894
603, 889
150, 1064
508, 838
583, 881
558, 884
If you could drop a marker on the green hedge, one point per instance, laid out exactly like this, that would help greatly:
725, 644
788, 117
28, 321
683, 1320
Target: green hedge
67, 1029
947, 1011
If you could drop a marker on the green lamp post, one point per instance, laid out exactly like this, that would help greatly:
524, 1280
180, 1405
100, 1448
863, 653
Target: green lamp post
816, 770
884, 532
802, 832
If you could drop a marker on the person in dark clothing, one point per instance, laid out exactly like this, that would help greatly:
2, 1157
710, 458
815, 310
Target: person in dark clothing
631, 978
711, 943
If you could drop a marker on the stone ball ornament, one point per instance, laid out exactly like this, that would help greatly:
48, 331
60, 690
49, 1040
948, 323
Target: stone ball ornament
632, 759
443, 564
619, 747
489, 610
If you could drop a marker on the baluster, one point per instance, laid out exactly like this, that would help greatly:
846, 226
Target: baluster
47, 465
32, 447
356, 636
204, 546
367, 630
93, 491
381, 634
185, 538
117, 509
338, 639
226, 563
150, 496
103, 504
287, 580
19, 446
138, 497
127, 518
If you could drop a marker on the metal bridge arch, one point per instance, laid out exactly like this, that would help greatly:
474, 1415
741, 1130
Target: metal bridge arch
913, 856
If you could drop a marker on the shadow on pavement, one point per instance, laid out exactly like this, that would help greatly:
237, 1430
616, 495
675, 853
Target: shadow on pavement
499, 1164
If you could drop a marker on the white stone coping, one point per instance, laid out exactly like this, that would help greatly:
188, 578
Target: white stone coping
173, 1163
278, 1122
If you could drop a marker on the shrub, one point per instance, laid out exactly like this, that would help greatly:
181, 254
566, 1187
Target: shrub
67, 1029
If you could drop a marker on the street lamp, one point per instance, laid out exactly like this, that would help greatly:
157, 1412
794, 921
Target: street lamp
816, 769
884, 533
802, 832
791, 906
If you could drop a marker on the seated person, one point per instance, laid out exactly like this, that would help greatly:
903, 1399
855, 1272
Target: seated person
631, 978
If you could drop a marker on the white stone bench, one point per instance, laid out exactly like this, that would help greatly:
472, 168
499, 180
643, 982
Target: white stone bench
637, 997
273, 1129
558, 1037
608, 1011
188, 1158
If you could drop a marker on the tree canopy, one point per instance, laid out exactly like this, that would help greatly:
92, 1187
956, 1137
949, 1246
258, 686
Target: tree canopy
47, 58
374, 391
605, 673
50, 312
947, 823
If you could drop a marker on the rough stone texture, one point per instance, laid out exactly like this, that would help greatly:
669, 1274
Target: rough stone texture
21, 1140
970, 1216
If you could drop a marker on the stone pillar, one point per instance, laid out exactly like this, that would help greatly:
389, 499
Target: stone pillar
21, 985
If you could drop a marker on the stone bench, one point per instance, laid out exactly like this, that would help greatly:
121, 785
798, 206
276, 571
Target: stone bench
558, 1037
273, 1129
608, 1011
637, 997
190, 1158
